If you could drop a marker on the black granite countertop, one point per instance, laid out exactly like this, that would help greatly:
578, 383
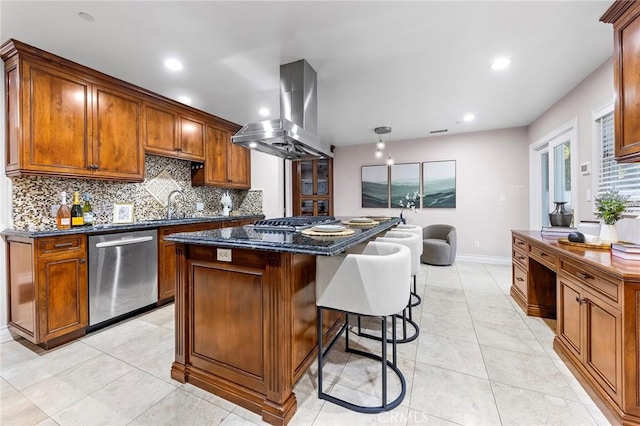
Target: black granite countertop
250, 237
117, 227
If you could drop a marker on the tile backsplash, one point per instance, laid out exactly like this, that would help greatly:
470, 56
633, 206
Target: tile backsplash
33, 197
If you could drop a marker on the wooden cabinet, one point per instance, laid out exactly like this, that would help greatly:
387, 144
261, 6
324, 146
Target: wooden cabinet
47, 283
63, 123
598, 311
590, 329
226, 165
172, 133
312, 187
625, 17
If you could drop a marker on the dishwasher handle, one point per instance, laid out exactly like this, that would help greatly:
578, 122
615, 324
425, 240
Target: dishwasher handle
124, 242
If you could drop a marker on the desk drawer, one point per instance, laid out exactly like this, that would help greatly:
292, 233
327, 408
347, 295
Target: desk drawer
519, 243
520, 257
520, 279
608, 287
60, 244
544, 256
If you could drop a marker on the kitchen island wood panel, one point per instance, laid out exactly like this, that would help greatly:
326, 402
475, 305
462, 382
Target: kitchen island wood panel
598, 314
246, 314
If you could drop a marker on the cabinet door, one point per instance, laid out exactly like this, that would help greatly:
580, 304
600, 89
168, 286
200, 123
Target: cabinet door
160, 130
603, 344
627, 81
117, 144
57, 121
62, 293
216, 162
570, 321
238, 164
192, 131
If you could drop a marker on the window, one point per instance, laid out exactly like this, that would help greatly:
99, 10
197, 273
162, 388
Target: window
613, 176
554, 165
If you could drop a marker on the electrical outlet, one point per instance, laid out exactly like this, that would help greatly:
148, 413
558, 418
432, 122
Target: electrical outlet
54, 210
587, 194
476, 244
199, 206
223, 255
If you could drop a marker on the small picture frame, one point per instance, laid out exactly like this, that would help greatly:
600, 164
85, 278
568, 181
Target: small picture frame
122, 213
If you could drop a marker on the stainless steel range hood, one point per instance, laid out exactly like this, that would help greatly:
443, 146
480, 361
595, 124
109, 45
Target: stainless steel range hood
295, 135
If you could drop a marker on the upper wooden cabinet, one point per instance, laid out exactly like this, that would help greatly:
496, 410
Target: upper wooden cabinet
64, 119
625, 17
226, 165
61, 122
170, 133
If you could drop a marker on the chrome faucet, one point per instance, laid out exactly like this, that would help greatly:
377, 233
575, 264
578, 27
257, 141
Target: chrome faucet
175, 191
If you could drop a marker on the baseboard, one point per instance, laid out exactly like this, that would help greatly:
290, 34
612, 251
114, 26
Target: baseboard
494, 260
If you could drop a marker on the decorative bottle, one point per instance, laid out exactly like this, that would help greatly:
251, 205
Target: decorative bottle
560, 216
63, 216
77, 218
87, 211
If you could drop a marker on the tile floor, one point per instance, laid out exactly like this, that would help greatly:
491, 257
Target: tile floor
478, 361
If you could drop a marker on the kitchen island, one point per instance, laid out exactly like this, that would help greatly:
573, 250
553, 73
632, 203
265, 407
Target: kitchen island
246, 315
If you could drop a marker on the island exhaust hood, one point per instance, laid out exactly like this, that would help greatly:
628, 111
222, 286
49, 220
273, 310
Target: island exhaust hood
294, 135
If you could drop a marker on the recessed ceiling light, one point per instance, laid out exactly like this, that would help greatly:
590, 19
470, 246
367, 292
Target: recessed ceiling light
184, 99
264, 112
469, 117
501, 63
173, 64
253, 144
86, 17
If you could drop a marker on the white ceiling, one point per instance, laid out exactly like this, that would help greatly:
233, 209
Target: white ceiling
416, 66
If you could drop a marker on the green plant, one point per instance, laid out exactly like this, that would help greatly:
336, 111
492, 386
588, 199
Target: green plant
610, 206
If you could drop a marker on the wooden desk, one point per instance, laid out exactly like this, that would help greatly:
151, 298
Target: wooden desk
596, 300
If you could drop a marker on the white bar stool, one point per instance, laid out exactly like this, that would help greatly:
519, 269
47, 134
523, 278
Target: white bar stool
419, 232
413, 243
364, 284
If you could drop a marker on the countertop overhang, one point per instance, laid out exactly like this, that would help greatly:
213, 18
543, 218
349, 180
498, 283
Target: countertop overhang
250, 237
120, 227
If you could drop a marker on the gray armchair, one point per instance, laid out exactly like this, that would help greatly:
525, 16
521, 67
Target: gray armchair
439, 245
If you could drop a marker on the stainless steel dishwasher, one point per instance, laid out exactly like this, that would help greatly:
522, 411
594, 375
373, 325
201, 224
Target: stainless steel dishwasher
123, 274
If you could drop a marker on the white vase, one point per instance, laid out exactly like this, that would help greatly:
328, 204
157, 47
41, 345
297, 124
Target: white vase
225, 210
608, 233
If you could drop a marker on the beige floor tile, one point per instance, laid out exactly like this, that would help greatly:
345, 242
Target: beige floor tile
248, 415
235, 420
496, 300
14, 352
52, 362
57, 392
208, 396
309, 404
160, 366
47, 422
118, 403
445, 307
453, 396
6, 389
419, 418
445, 293
116, 335
499, 316
519, 406
519, 340
18, 410
181, 408
526, 371
451, 326
597, 415
159, 316
144, 348
456, 355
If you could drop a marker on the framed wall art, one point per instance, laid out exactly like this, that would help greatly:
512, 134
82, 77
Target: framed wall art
375, 186
122, 213
405, 182
439, 184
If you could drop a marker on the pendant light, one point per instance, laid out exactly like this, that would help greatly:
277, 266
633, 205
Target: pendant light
383, 130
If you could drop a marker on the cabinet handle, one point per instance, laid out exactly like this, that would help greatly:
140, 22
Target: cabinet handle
62, 245
581, 301
543, 254
584, 276
83, 260
521, 257
519, 279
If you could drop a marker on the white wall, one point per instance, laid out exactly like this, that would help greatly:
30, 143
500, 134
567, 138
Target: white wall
267, 175
591, 93
492, 186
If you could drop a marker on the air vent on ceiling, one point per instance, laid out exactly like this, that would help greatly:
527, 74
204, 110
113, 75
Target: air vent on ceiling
439, 131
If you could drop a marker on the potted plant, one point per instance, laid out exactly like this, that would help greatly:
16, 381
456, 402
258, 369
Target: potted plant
609, 207
410, 202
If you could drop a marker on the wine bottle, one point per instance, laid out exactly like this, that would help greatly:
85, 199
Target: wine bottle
63, 216
87, 211
76, 211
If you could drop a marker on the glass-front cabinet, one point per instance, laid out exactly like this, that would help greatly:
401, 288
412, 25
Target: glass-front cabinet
313, 187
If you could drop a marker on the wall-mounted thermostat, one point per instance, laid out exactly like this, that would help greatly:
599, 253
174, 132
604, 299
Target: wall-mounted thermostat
585, 168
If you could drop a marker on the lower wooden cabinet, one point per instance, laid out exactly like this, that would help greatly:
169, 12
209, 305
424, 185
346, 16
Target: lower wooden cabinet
48, 301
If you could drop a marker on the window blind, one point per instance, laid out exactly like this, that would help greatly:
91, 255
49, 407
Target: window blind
614, 176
